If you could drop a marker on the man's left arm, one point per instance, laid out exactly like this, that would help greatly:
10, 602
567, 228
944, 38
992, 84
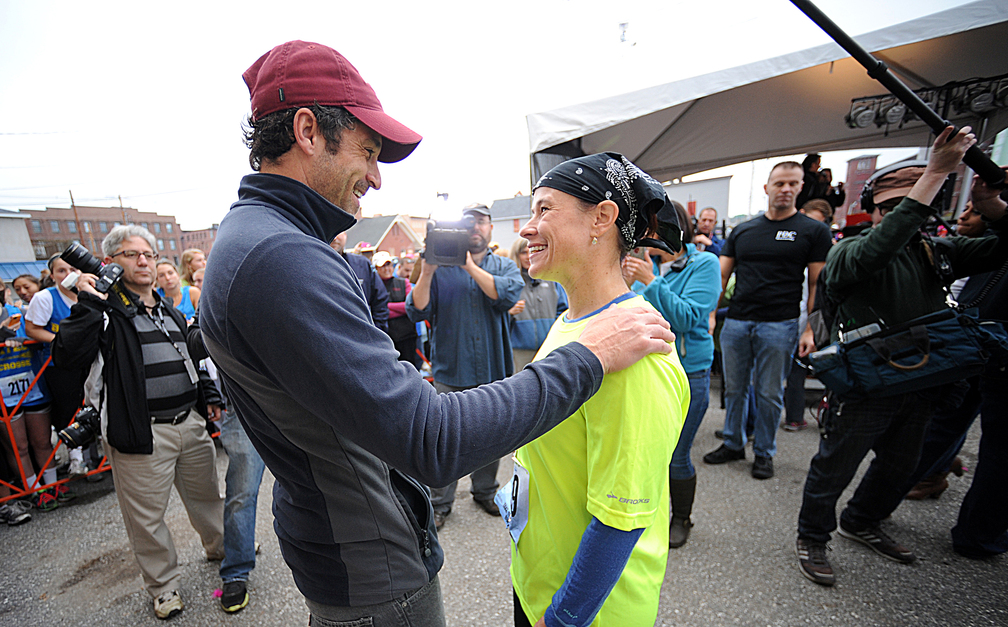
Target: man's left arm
822, 242
211, 396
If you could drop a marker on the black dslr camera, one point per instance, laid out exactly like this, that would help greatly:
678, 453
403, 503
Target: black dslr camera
448, 241
83, 430
80, 258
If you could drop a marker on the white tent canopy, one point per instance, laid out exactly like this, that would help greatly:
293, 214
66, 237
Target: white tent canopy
788, 105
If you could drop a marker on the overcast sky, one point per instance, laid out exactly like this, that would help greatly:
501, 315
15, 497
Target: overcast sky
145, 100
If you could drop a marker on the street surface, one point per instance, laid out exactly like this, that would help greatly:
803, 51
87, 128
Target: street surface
73, 566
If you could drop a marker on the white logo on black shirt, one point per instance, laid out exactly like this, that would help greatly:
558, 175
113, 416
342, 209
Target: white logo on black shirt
786, 236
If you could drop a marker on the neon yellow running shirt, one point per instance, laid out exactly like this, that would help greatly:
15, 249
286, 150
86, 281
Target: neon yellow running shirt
609, 460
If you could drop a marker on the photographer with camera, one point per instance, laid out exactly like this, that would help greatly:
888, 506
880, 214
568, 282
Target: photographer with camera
886, 277
153, 406
468, 310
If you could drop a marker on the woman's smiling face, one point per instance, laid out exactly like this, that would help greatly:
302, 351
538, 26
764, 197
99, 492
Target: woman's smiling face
559, 235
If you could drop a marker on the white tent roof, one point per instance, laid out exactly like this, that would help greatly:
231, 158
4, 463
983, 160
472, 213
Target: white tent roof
787, 105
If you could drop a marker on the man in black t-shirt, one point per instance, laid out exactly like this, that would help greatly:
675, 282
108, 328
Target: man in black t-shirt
769, 256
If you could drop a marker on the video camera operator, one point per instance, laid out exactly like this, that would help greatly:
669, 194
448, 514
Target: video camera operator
467, 307
886, 277
153, 407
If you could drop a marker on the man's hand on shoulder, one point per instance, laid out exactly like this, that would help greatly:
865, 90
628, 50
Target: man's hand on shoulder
621, 337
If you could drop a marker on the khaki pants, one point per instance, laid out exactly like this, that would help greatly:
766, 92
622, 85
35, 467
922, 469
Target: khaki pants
184, 455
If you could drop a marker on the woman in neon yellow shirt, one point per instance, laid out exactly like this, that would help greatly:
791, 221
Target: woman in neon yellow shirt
588, 507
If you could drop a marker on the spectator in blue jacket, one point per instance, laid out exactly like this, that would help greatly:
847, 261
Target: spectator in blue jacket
685, 294
538, 307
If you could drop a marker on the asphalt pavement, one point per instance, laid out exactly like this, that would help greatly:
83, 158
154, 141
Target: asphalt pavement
73, 566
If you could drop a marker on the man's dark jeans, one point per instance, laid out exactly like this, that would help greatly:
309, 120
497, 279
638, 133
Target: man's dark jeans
894, 428
947, 433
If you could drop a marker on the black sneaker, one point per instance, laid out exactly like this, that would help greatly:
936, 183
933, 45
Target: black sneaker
762, 467
234, 596
876, 539
723, 454
812, 562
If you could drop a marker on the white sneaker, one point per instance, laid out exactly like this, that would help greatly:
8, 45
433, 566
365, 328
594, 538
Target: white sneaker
77, 468
168, 604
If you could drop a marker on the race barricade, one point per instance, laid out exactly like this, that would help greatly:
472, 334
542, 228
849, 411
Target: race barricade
20, 379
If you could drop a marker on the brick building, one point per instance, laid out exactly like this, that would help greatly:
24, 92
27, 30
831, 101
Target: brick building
393, 234
202, 239
51, 230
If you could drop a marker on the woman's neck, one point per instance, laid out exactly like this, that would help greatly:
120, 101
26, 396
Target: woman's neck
72, 296
174, 294
592, 290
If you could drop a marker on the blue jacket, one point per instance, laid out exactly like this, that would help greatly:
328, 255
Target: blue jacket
686, 299
544, 302
471, 344
716, 245
342, 424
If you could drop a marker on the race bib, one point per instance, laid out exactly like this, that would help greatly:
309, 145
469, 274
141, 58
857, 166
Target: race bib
15, 385
513, 501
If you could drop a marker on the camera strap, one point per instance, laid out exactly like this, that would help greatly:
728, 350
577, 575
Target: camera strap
160, 324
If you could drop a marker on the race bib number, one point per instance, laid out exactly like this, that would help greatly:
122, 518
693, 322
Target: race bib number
513, 501
15, 385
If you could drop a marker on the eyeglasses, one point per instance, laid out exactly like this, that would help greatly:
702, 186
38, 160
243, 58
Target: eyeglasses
133, 254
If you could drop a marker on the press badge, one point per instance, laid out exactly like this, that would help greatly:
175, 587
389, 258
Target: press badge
513, 501
190, 368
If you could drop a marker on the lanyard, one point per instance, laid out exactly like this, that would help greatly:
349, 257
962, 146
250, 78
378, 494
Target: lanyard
160, 324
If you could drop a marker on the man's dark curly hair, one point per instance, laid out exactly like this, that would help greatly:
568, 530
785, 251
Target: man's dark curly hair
271, 136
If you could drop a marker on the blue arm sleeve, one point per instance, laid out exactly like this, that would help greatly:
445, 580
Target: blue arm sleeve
598, 564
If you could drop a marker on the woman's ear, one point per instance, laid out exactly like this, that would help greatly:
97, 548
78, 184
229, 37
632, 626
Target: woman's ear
606, 213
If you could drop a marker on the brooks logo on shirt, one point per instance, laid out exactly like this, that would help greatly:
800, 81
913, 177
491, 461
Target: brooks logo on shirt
786, 236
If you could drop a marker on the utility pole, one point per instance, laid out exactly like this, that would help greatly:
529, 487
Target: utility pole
77, 221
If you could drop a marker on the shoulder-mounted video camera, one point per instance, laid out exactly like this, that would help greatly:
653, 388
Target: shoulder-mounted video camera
447, 241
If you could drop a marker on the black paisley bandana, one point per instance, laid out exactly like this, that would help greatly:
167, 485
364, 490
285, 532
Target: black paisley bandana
611, 176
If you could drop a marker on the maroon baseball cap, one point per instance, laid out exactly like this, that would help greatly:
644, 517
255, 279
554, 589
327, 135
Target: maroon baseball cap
301, 73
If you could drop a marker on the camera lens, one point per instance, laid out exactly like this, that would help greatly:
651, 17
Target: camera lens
83, 430
80, 258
